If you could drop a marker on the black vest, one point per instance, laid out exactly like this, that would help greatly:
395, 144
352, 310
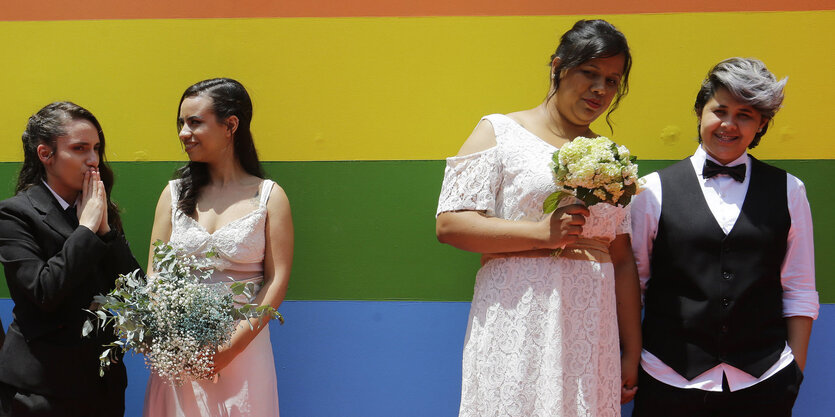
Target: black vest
713, 298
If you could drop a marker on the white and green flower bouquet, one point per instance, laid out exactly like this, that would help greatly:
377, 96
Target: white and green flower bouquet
594, 170
172, 316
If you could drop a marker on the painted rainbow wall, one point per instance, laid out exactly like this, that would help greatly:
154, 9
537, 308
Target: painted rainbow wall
356, 106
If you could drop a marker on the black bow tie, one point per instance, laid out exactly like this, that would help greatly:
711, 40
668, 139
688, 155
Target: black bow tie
711, 169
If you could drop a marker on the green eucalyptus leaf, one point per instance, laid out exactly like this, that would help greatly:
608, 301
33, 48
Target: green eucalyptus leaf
237, 288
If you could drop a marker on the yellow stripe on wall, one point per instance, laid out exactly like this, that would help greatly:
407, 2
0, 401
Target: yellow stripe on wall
400, 88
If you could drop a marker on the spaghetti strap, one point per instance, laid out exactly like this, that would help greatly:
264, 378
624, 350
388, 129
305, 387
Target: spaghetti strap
266, 187
174, 188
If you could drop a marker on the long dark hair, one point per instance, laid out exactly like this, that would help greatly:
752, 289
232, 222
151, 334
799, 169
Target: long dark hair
229, 98
44, 127
590, 39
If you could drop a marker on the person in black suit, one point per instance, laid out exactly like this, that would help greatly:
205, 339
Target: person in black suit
61, 243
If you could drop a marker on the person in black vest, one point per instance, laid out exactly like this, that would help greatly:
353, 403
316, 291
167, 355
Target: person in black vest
61, 243
724, 249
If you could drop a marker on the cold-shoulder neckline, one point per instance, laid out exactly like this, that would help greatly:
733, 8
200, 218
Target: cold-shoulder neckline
524, 129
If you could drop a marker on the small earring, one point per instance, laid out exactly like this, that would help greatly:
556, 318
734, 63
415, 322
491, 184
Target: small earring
760, 131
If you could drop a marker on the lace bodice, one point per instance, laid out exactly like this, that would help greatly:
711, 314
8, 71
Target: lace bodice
513, 178
239, 244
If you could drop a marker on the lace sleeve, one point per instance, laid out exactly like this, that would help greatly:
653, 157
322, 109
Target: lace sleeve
471, 182
625, 225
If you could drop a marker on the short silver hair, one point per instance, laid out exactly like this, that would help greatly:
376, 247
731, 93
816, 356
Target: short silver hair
749, 81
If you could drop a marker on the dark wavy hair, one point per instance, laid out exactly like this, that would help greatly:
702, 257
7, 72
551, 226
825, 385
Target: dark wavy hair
44, 127
749, 81
586, 40
229, 98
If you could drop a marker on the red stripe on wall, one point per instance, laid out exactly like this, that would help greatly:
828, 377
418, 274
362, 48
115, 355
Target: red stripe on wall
14, 10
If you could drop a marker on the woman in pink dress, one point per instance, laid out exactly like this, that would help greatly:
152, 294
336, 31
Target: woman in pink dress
221, 203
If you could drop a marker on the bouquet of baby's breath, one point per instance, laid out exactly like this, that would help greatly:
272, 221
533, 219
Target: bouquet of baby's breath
595, 170
172, 316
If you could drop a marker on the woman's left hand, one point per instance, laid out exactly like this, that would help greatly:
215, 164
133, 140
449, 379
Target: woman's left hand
223, 358
628, 378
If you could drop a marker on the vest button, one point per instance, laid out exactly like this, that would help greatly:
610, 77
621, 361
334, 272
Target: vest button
727, 276
726, 302
726, 247
724, 328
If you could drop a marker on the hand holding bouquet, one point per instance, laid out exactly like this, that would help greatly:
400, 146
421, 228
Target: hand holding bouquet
171, 316
595, 170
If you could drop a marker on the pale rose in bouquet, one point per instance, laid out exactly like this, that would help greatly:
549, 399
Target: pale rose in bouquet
172, 316
594, 170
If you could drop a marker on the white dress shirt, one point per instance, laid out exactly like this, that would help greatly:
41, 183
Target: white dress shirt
725, 196
61, 201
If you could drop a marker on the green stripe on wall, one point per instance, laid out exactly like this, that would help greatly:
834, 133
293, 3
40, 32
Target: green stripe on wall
365, 229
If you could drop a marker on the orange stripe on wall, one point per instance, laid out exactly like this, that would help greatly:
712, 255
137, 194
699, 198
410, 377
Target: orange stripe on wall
15, 10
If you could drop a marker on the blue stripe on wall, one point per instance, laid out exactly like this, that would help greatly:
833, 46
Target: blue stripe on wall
387, 358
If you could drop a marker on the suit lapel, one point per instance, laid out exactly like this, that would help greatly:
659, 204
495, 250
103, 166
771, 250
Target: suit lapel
44, 202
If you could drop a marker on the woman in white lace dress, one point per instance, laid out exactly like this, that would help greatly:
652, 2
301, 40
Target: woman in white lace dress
542, 338
222, 203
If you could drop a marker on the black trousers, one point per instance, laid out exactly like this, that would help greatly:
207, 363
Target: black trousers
105, 400
773, 397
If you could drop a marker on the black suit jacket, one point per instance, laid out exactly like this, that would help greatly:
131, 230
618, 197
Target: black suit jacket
53, 270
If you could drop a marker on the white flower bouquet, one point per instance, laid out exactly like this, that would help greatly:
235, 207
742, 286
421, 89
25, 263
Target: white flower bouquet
594, 170
172, 316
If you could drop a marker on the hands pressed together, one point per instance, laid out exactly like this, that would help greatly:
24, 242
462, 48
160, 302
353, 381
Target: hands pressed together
92, 210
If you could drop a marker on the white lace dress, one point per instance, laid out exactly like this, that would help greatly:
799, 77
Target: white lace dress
247, 386
542, 338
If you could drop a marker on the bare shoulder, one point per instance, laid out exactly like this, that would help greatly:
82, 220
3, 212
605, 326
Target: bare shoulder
278, 203
161, 229
482, 138
164, 201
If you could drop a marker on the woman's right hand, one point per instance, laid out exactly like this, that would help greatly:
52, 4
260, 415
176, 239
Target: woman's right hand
477, 232
93, 206
564, 226
559, 229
